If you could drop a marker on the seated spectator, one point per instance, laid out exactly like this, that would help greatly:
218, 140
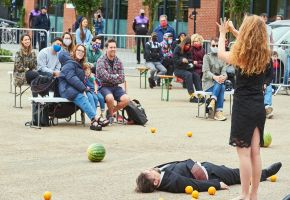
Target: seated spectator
179, 39
110, 72
68, 42
268, 92
176, 176
47, 60
214, 76
163, 28
153, 56
94, 52
278, 68
83, 33
25, 62
93, 89
71, 84
183, 68
197, 53
167, 51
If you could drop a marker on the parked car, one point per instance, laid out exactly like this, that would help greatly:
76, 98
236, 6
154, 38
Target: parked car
281, 35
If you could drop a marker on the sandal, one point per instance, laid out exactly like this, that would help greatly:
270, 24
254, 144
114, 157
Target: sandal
103, 122
95, 126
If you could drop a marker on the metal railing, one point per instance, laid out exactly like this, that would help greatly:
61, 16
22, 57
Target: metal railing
10, 37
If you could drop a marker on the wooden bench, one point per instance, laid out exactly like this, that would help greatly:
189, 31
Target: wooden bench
205, 94
165, 82
143, 72
47, 100
17, 93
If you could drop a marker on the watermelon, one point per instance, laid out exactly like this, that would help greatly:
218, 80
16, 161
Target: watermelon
96, 152
267, 139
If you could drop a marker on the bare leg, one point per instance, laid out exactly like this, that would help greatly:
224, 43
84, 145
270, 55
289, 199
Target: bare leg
256, 164
124, 100
245, 171
110, 103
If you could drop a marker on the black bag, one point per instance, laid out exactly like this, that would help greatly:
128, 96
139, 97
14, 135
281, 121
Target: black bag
42, 85
135, 112
44, 118
62, 110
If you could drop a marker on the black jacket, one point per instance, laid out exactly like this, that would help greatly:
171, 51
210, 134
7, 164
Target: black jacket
153, 52
178, 56
178, 175
43, 22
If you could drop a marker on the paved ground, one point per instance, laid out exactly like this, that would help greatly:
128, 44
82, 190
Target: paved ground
54, 158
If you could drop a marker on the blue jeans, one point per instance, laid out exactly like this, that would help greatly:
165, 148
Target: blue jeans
95, 99
268, 95
218, 93
84, 102
287, 71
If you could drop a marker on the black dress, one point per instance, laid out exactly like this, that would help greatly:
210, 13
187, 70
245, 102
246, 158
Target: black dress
248, 109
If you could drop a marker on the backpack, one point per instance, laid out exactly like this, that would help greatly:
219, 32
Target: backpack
135, 113
42, 85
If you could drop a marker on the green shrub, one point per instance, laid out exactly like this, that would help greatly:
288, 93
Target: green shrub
5, 52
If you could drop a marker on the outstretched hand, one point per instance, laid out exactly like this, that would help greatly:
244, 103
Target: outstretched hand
223, 26
224, 186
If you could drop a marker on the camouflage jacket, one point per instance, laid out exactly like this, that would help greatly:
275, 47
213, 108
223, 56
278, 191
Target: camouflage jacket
24, 62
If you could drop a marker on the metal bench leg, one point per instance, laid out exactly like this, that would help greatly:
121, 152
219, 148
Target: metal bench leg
20, 95
140, 78
167, 87
11, 83
145, 75
15, 95
162, 85
230, 104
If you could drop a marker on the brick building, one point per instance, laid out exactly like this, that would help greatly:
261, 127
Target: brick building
62, 17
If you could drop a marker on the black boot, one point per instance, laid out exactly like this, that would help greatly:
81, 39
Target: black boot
152, 83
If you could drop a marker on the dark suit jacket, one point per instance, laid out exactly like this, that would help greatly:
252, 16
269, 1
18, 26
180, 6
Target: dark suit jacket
178, 175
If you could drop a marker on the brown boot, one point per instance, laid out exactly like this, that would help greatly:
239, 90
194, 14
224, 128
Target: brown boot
211, 109
219, 115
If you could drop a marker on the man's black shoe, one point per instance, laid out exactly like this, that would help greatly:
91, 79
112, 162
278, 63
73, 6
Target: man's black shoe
152, 83
273, 169
193, 100
138, 62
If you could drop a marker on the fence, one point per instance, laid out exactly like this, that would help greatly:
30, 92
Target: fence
10, 37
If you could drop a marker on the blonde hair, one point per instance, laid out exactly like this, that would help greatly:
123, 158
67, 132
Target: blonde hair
196, 38
251, 52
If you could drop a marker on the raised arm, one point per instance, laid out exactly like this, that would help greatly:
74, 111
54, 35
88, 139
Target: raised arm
222, 53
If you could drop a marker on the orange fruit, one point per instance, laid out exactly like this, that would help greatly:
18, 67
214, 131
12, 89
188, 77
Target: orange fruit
195, 194
273, 178
47, 195
153, 130
189, 133
211, 190
188, 189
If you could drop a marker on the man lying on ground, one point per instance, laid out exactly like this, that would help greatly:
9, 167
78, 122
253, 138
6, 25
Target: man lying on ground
175, 176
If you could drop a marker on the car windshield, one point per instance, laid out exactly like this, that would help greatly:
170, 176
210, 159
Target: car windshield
278, 32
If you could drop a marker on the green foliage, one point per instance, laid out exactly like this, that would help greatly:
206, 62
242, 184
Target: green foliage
7, 3
235, 10
21, 22
84, 8
152, 5
5, 52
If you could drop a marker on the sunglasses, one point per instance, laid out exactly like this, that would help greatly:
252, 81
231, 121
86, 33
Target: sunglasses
214, 45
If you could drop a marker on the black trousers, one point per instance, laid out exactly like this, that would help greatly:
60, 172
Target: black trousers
191, 78
225, 174
34, 39
30, 76
139, 41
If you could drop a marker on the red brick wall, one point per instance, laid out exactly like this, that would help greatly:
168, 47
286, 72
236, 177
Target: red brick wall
208, 14
69, 18
29, 6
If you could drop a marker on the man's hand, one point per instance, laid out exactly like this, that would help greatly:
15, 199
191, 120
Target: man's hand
184, 60
96, 91
195, 62
224, 186
55, 74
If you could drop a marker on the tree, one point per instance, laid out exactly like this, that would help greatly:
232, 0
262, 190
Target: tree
236, 9
152, 5
84, 8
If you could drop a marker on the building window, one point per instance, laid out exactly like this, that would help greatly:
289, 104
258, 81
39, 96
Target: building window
169, 8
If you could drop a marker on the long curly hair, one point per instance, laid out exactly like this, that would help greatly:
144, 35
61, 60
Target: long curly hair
251, 52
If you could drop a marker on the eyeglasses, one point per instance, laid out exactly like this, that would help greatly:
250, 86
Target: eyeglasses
79, 50
214, 45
